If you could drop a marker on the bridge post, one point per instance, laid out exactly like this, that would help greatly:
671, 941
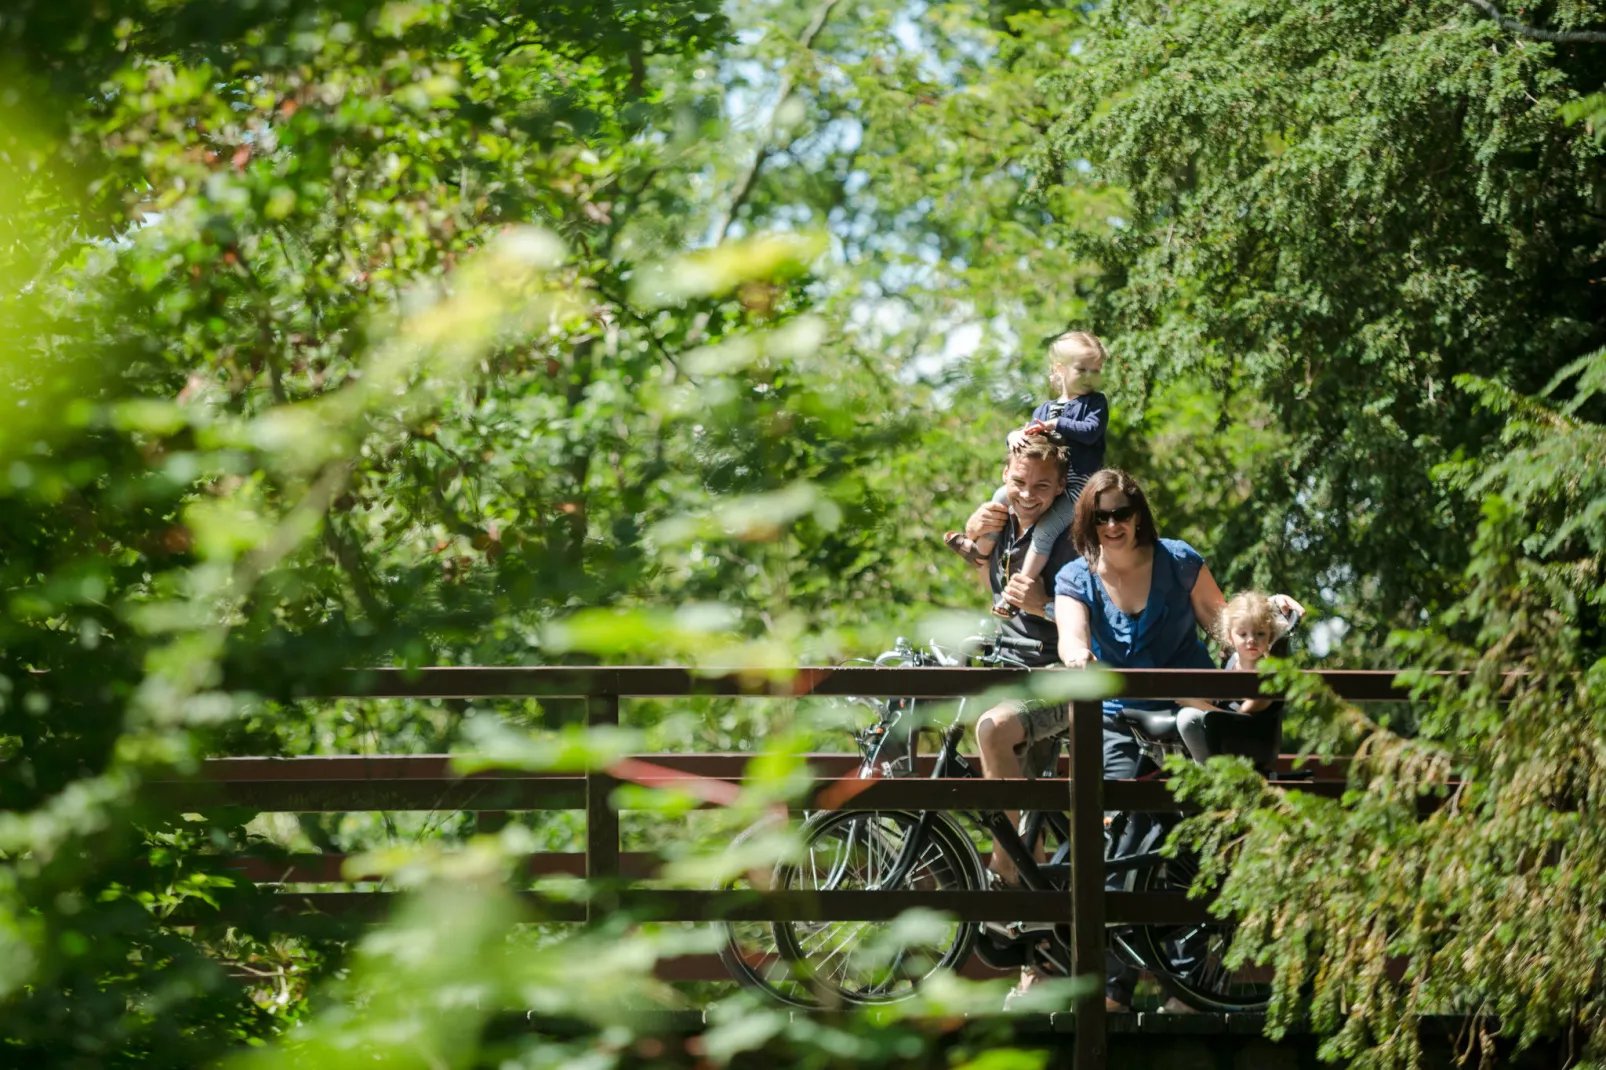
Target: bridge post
1087, 879
602, 821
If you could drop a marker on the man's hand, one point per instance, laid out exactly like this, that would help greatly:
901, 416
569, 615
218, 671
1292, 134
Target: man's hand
988, 520
1026, 595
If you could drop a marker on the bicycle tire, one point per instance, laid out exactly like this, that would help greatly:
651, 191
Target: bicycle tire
749, 952
1186, 958
948, 861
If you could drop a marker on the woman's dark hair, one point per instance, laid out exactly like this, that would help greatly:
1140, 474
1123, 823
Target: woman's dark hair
1085, 534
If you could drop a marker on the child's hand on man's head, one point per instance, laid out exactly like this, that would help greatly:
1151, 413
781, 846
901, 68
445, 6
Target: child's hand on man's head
1038, 427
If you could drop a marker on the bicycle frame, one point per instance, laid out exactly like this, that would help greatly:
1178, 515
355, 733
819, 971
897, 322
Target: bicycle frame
891, 748
1034, 874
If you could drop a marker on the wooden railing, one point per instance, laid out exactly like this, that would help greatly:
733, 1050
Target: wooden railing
427, 782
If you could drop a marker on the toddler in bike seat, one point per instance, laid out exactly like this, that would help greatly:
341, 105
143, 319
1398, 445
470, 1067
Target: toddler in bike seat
1077, 419
1252, 626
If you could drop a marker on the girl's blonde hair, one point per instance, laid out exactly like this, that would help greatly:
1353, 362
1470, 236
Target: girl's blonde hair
1250, 606
1073, 343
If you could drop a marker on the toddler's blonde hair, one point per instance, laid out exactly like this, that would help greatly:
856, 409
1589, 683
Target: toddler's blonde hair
1072, 344
1250, 606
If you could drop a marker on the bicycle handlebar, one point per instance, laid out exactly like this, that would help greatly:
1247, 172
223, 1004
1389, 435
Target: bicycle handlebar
1016, 642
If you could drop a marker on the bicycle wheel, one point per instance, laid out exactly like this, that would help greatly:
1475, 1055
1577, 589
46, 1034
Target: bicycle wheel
1188, 959
749, 952
871, 961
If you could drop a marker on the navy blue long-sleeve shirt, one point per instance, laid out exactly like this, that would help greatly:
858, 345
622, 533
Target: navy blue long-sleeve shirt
1080, 424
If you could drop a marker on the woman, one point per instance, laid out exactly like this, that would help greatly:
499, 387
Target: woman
1132, 601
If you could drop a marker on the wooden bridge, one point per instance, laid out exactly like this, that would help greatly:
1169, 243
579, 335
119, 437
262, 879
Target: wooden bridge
427, 782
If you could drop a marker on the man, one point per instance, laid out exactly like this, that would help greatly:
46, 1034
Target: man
1029, 728
1033, 476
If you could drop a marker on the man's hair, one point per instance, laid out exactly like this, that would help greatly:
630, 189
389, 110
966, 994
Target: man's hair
1041, 448
1085, 535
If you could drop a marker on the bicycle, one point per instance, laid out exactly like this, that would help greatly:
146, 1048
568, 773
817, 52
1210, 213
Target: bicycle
812, 964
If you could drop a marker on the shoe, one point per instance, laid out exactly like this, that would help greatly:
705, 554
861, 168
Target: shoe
965, 548
1176, 1006
1028, 977
1010, 930
1112, 1006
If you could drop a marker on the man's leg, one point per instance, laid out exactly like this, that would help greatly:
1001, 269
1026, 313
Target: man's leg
1005, 733
998, 733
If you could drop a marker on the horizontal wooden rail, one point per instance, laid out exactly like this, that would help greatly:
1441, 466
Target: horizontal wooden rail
427, 782
710, 968
685, 904
540, 793
331, 868
635, 681
722, 765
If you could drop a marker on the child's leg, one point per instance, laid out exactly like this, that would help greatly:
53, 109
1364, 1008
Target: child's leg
1051, 528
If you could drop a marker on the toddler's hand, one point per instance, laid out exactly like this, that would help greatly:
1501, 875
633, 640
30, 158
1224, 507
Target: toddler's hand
1037, 427
1287, 606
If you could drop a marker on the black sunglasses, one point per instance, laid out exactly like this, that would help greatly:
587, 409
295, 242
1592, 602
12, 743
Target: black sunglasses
1119, 516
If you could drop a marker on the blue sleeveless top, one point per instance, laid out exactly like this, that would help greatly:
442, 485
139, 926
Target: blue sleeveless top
1165, 635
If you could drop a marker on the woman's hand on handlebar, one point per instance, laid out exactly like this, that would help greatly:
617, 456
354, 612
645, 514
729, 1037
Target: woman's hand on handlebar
1076, 657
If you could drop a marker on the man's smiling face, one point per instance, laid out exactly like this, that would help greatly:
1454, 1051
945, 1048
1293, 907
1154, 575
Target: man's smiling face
1032, 486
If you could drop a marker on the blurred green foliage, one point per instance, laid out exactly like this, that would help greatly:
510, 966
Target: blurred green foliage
343, 333
1375, 230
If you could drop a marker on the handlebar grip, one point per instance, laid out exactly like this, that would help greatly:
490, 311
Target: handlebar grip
1015, 642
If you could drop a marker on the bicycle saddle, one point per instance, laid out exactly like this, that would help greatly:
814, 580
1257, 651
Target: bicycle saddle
1156, 724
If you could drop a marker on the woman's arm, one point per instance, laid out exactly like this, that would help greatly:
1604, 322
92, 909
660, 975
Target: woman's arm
1076, 633
1208, 601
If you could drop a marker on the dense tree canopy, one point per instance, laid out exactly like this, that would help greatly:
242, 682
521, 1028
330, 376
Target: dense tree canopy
491, 331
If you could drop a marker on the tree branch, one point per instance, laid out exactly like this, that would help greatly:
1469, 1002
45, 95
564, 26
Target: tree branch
1534, 33
749, 179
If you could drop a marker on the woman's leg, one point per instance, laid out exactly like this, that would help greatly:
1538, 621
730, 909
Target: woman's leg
1124, 759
